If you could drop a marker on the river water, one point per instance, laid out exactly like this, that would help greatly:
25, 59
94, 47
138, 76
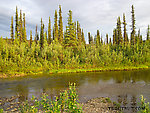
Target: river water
124, 87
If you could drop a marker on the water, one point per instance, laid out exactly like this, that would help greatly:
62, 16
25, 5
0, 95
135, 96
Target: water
124, 87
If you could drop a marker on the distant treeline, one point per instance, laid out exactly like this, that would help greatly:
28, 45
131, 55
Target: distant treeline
57, 48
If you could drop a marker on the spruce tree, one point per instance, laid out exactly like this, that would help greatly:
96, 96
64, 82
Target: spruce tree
101, 40
133, 27
53, 32
42, 34
55, 27
110, 41
24, 35
70, 39
20, 27
60, 38
36, 35
12, 29
107, 39
30, 38
114, 36
89, 37
79, 33
148, 33
97, 39
83, 38
125, 30
49, 31
119, 32
17, 24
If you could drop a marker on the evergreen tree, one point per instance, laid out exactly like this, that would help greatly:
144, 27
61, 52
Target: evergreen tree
24, 29
53, 32
89, 37
133, 27
30, 38
97, 39
20, 27
79, 33
148, 33
110, 41
60, 26
70, 39
49, 31
125, 30
119, 32
114, 36
42, 34
55, 27
17, 24
36, 35
83, 38
101, 40
107, 39
12, 29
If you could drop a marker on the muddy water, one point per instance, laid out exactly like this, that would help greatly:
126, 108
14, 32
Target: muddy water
124, 87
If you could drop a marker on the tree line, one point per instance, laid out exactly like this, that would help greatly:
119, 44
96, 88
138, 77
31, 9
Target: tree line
56, 47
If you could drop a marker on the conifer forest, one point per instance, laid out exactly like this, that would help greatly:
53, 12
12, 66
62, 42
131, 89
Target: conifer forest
64, 47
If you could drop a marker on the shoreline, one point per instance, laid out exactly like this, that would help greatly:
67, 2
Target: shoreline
76, 70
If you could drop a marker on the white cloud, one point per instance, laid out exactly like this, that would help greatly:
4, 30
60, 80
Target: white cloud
92, 14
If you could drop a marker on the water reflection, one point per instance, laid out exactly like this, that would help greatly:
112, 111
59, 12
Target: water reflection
124, 87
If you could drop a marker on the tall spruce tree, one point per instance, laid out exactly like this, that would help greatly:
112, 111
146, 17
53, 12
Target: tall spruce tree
20, 27
119, 32
24, 35
89, 37
133, 27
79, 33
60, 33
110, 41
55, 27
114, 36
36, 35
97, 39
70, 39
125, 30
49, 31
101, 40
107, 39
42, 35
30, 38
83, 38
17, 24
12, 29
148, 33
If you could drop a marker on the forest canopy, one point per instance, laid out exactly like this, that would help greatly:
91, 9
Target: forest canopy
65, 48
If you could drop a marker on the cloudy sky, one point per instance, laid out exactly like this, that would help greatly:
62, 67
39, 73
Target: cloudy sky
92, 14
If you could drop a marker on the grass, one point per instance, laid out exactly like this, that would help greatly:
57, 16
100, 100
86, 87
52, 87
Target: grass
12, 74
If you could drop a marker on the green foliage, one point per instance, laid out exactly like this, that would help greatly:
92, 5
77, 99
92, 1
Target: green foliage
145, 108
60, 38
72, 52
66, 102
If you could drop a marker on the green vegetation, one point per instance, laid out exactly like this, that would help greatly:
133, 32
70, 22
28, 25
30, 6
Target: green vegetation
145, 108
66, 51
66, 102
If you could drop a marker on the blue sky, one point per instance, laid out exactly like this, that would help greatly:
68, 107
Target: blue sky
92, 14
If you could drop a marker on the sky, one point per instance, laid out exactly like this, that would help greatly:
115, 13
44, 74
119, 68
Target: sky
92, 15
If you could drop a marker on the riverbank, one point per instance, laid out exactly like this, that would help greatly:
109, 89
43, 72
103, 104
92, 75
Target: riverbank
100, 105
75, 70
